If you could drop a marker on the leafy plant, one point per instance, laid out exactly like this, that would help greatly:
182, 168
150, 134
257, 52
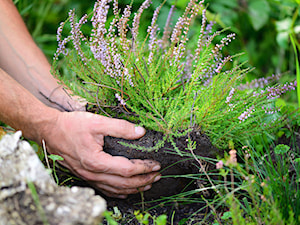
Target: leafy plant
270, 181
146, 218
113, 216
43, 16
281, 149
55, 158
161, 82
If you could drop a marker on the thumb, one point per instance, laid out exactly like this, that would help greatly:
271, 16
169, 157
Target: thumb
119, 128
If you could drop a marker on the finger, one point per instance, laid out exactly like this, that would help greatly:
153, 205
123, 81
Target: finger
104, 162
119, 181
115, 191
118, 128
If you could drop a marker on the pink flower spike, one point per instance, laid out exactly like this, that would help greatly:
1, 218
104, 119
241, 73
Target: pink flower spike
219, 165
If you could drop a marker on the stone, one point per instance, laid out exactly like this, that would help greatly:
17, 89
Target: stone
29, 195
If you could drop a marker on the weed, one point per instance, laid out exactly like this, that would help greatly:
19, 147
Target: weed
54, 159
268, 193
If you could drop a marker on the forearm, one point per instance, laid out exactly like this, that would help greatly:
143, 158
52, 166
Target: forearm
21, 58
22, 111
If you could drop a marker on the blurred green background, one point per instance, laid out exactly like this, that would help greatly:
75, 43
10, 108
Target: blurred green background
262, 27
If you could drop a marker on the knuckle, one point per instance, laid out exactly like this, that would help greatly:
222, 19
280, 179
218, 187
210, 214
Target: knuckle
128, 171
124, 185
86, 163
146, 178
123, 123
89, 164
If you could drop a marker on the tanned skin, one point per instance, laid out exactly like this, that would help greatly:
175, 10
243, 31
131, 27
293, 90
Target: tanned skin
32, 101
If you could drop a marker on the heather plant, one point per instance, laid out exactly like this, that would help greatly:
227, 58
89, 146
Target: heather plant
168, 81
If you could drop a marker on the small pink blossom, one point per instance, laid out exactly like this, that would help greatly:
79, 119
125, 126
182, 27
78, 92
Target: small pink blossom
232, 158
220, 164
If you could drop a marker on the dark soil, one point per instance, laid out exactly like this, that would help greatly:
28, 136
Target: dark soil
171, 162
157, 200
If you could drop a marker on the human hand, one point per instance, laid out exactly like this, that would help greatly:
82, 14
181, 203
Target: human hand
79, 138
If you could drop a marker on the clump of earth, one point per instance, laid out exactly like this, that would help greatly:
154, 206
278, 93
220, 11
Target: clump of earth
158, 200
171, 162
174, 167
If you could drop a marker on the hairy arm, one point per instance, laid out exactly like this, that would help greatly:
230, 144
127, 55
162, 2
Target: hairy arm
79, 138
21, 110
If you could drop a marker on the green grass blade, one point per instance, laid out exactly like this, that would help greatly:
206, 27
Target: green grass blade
293, 40
37, 202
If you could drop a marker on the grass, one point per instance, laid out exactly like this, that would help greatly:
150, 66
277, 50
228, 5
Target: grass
261, 187
254, 186
37, 203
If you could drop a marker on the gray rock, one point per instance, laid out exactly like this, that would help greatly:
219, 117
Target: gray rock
28, 195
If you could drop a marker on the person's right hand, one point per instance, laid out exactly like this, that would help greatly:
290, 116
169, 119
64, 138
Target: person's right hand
79, 138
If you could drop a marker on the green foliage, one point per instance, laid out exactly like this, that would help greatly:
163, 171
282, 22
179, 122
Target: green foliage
166, 86
267, 46
259, 11
146, 218
37, 202
226, 215
261, 190
115, 217
109, 217
55, 158
296, 47
281, 149
262, 28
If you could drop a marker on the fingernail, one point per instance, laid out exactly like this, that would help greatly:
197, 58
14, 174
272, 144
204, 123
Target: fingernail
157, 178
140, 131
156, 168
147, 188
